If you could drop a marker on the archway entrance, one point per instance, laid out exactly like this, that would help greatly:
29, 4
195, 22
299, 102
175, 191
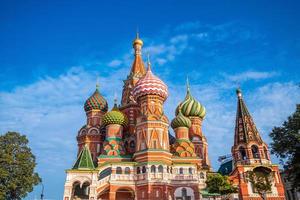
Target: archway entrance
124, 194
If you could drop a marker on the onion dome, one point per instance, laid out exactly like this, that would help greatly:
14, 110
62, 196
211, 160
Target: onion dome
137, 40
115, 116
181, 121
190, 107
150, 85
96, 102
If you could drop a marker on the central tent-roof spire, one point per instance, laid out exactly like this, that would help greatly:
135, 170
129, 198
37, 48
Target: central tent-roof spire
138, 64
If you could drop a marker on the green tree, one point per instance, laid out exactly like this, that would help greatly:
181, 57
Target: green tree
286, 146
260, 180
17, 163
216, 183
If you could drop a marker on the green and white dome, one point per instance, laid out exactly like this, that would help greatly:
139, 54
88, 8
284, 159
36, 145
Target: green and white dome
190, 107
115, 116
181, 121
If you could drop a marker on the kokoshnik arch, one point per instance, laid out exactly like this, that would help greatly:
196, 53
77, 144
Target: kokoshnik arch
128, 152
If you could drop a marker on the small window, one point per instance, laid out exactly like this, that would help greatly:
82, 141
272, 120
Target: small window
127, 170
160, 169
138, 170
153, 169
190, 170
144, 169
243, 153
255, 151
119, 170
181, 170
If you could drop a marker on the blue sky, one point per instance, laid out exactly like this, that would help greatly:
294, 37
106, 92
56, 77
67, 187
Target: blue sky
52, 51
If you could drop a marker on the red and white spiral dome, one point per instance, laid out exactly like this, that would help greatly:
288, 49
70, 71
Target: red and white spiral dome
150, 85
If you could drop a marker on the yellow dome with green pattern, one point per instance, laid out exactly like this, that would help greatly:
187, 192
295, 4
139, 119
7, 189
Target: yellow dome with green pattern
115, 116
181, 121
190, 107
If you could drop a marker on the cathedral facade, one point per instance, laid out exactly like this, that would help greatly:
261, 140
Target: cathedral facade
127, 152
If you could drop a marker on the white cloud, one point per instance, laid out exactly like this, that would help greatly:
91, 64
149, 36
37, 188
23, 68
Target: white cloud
251, 75
115, 63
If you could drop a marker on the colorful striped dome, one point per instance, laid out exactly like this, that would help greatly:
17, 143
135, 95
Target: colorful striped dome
150, 85
115, 116
190, 107
181, 121
96, 102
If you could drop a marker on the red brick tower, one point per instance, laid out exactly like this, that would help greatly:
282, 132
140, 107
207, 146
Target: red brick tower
249, 153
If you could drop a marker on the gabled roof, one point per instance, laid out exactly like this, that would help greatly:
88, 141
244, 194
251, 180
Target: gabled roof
84, 160
245, 129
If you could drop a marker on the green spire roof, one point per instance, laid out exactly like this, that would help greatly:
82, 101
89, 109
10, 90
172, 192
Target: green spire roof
84, 160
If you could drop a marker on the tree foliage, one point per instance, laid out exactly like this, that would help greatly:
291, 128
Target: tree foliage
17, 163
286, 145
260, 180
216, 183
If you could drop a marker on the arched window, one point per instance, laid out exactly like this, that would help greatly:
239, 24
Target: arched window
126, 144
119, 170
181, 170
127, 170
243, 153
153, 169
160, 169
144, 169
168, 169
266, 153
81, 192
138, 170
255, 151
190, 170
201, 175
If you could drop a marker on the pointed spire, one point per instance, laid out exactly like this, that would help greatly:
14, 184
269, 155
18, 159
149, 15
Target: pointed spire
84, 160
137, 33
148, 62
187, 85
239, 92
138, 65
97, 83
245, 130
115, 102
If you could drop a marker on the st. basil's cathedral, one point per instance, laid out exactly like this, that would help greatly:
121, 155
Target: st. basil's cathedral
129, 153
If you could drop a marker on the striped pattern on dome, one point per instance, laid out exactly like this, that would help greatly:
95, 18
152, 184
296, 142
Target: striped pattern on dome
150, 84
190, 107
96, 102
181, 121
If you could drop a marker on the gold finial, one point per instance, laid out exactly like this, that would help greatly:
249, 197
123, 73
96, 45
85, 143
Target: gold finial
137, 39
239, 92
